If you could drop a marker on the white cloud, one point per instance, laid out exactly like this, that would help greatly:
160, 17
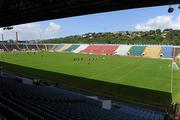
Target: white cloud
32, 31
159, 22
53, 27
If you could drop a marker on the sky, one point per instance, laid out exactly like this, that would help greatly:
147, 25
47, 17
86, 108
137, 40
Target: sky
142, 19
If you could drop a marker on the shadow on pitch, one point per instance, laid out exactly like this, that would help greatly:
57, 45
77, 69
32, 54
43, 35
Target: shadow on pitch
146, 97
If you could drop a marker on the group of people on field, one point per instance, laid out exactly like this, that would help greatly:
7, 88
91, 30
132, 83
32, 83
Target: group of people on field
88, 60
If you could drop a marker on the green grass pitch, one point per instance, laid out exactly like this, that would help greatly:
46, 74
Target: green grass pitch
154, 74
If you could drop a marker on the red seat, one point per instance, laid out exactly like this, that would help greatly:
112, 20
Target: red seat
100, 49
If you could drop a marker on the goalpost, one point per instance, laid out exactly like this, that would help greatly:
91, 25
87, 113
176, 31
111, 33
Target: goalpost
174, 67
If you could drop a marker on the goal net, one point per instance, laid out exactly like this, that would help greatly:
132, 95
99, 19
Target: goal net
175, 66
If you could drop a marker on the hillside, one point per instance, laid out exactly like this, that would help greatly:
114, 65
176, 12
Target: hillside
167, 36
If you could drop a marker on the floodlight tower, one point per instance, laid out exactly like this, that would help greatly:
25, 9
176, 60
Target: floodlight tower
17, 37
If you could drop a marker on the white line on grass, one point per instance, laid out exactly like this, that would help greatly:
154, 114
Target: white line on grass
172, 71
132, 70
108, 71
172, 75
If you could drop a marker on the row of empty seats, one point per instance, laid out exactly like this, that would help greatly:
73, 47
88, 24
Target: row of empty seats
23, 47
100, 49
80, 48
167, 51
136, 50
23, 102
123, 50
65, 46
154, 51
55, 48
177, 51
71, 48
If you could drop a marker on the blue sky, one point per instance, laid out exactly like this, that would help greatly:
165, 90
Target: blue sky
111, 21
125, 20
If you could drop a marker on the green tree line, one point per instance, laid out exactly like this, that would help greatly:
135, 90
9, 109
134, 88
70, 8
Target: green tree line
167, 36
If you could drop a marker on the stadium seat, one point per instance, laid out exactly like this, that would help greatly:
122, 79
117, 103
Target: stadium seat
22, 47
136, 50
167, 51
12, 47
152, 51
49, 47
80, 48
100, 49
123, 50
56, 48
22, 101
66, 46
32, 47
2, 47
71, 48
177, 51
41, 47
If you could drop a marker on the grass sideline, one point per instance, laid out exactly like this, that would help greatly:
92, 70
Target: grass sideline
135, 79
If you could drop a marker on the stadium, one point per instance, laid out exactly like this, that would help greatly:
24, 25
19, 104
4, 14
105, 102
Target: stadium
45, 80
117, 71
